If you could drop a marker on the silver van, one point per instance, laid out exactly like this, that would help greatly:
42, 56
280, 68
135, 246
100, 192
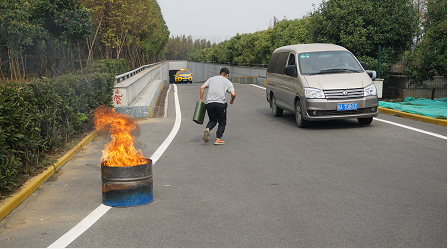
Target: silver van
320, 82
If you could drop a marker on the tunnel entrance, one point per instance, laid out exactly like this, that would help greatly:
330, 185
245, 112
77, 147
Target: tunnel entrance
172, 73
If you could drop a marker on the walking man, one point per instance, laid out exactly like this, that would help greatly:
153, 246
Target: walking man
216, 104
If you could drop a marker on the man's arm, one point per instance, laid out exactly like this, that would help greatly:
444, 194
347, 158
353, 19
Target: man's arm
232, 95
201, 92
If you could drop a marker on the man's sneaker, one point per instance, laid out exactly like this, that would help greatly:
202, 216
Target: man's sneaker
206, 133
219, 141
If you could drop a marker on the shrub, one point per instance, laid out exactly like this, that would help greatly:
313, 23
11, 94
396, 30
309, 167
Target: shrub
39, 117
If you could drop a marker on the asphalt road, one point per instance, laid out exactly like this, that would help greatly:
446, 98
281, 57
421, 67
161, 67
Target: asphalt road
335, 184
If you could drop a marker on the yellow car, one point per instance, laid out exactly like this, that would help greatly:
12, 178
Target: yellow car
183, 75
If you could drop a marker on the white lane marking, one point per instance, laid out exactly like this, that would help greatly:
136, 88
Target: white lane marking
102, 209
259, 86
411, 128
82, 226
399, 125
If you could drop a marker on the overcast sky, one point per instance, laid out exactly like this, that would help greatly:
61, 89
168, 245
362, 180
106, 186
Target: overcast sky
228, 17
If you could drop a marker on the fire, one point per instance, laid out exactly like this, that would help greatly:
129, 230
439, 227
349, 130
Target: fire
120, 152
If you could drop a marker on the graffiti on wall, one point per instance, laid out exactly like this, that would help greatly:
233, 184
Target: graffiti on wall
117, 97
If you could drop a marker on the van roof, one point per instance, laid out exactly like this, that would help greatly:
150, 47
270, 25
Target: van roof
312, 47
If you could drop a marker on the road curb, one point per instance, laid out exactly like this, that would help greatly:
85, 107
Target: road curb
441, 122
28, 188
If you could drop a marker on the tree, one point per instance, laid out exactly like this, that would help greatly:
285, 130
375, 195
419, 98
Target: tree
288, 32
117, 19
256, 48
428, 59
17, 29
129, 28
30, 26
155, 34
363, 25
263, 47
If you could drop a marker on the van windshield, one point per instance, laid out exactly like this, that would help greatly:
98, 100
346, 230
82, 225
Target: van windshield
328, 62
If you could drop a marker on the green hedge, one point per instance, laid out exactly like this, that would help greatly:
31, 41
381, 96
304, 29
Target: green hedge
40, 117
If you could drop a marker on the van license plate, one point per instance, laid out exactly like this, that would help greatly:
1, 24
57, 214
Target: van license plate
347, 107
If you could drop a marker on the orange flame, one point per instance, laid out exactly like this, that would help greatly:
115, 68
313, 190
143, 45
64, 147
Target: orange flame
120, 152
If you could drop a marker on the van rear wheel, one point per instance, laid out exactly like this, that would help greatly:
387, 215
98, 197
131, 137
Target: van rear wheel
276, 111
365, 121
301, 123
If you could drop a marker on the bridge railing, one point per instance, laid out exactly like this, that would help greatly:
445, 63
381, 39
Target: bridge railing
126, 75
128, 88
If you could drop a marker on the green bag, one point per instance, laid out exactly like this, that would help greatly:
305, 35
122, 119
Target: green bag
199, 112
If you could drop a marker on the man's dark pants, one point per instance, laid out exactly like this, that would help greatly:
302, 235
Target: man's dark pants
217, 113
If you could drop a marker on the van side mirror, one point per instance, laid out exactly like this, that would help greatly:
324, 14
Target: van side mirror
364, 65
372, 74
291, 71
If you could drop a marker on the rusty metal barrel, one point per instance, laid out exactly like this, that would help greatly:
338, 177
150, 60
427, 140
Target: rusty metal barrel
127, 186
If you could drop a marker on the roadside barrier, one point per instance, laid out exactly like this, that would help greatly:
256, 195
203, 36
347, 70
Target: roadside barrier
249, 80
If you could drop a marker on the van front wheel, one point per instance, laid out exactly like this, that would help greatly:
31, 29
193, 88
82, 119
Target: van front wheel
276, 111
301, 123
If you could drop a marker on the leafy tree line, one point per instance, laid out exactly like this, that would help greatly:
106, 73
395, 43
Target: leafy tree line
256, 48
360, 26
179, 47
54, 37
428, 59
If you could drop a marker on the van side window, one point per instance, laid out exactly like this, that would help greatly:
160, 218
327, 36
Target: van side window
281, 63
291, 68
272, 63
292, 60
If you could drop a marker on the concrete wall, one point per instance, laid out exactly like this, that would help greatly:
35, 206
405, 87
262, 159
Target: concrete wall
136, 92
129, 89
143, 106
400, 87
176, 65
203, 71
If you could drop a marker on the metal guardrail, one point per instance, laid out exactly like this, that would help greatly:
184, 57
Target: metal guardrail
134, 72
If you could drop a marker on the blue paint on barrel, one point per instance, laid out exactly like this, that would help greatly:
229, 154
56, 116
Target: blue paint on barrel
127, 186
129, 197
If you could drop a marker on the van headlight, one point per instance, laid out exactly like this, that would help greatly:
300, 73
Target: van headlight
313, 93
370, 90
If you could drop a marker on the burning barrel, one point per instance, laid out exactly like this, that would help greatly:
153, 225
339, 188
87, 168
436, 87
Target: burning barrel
127, 186
126, 174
